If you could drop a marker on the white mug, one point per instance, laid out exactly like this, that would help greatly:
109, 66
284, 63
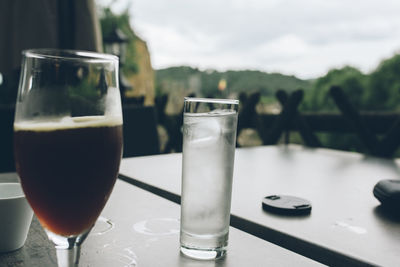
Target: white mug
15, 217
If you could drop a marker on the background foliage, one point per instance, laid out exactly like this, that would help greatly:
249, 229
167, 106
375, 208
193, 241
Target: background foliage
109, 21
377, 91
237, 81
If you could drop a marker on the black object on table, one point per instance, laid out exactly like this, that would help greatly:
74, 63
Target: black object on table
388, 193
286, 205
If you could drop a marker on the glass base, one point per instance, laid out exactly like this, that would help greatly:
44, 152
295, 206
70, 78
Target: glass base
203, 254
67, 248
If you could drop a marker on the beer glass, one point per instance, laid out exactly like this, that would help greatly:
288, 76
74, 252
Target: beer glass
68, 141
209, 138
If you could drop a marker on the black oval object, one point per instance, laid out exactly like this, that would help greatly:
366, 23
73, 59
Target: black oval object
388, 193
286, 205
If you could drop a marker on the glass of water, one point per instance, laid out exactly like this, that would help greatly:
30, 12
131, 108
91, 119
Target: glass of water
209, 139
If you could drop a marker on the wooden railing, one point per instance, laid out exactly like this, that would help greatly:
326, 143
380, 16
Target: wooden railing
379, 133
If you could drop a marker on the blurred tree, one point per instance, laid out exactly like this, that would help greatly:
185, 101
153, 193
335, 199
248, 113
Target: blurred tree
384, 86
108, 21
350, 79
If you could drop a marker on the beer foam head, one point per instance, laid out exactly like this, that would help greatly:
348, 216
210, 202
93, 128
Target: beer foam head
68, 123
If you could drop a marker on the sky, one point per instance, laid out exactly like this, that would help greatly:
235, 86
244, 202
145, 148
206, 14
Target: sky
304, 38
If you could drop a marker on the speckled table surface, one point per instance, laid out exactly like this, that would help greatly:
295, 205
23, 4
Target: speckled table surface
347, 226
138, 228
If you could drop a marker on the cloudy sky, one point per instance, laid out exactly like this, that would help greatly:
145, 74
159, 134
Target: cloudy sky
303, 38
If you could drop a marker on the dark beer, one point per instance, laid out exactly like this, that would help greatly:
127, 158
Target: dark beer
68, 170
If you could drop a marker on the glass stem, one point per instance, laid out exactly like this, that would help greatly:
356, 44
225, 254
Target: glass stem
68, 257
67, 248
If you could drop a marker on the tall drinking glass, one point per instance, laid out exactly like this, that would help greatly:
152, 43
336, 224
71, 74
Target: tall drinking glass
209, 138
68, 141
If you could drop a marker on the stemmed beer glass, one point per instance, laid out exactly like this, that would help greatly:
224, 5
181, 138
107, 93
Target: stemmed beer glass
68, 141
